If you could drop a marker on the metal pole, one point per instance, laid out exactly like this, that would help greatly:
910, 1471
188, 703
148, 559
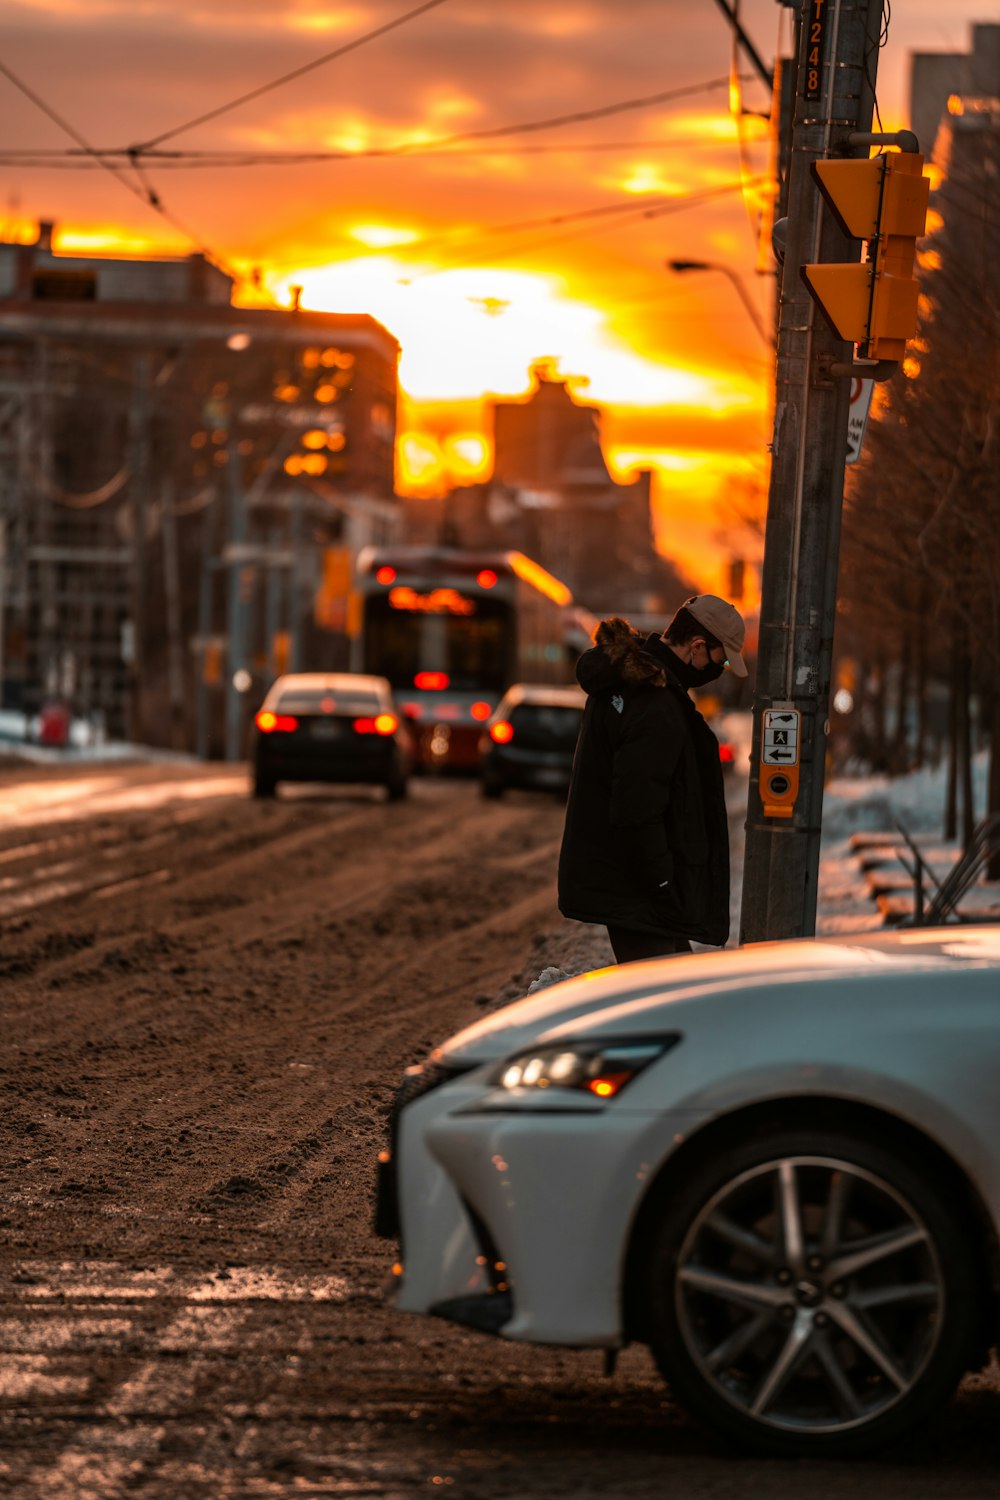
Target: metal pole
273, 602
236, 607
3, 597
172, 591
809, 448
204, 627
138, 484
294, 586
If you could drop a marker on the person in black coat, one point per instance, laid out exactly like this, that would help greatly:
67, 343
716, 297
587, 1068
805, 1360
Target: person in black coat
645, 847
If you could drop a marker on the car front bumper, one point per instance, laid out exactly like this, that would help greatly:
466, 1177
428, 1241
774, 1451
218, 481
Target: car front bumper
518, 1222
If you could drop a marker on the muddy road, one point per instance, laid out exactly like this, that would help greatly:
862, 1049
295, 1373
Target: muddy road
206, 1003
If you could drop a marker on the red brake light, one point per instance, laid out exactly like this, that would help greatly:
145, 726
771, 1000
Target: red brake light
433, 682
267, 722
386, 575
502, 732
486, 578
726, 755
379, 724
480, 711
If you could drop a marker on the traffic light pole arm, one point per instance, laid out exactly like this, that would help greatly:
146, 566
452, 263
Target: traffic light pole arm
876, 369
904, 139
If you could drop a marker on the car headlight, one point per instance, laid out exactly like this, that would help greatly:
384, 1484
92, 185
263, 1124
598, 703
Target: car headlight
586, 1067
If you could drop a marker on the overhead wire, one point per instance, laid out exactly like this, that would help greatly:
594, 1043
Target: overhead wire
736, 113
193, 161
578, 117
619, 211
440, 144
141, 188
266, 88
870, 72
69, 129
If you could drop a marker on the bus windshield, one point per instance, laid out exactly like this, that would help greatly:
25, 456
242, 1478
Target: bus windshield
473, 649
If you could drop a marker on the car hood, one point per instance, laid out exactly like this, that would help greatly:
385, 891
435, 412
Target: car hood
687, 976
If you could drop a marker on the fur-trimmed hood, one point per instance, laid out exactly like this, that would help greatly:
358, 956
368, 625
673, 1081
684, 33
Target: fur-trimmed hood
620, 655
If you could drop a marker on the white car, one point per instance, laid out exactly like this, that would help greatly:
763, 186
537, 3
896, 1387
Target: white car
778, 1166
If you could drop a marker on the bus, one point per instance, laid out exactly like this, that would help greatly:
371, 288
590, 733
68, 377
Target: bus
451, 630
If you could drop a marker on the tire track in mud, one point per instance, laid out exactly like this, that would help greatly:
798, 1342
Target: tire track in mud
269, 962
217, 887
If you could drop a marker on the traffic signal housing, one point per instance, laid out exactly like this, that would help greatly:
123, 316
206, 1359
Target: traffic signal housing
883, 201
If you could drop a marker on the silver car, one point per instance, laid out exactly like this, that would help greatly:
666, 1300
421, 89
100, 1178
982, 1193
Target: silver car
778, 1166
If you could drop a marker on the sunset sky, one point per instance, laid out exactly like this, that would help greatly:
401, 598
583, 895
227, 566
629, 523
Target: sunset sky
483, 255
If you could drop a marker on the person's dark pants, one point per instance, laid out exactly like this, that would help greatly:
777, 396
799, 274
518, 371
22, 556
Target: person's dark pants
629, 945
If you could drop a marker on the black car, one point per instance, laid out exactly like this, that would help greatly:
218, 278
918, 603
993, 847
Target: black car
334, 726
530, 739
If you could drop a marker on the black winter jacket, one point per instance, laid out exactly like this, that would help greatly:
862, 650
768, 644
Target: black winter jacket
647, 802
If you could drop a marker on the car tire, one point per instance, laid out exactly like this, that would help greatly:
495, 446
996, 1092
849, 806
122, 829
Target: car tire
492, 789
811, 1294
263, 785
396, 789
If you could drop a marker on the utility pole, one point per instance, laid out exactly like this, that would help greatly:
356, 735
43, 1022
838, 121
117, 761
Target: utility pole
834, 97
135, 649
172, 594
236, 559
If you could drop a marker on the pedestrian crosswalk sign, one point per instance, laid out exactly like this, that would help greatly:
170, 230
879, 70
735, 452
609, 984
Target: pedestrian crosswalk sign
780, 740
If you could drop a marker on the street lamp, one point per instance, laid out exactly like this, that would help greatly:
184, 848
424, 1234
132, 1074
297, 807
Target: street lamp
680, 266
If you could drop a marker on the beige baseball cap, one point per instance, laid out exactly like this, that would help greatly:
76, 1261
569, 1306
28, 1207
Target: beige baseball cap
723, 621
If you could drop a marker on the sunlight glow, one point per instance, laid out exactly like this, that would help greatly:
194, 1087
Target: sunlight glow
720, 127
453, 348
420, 460
311, 17
381, 236
110, 239
468, 456
645, 177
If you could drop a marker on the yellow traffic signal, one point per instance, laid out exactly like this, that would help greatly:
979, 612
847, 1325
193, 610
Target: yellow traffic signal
883, 201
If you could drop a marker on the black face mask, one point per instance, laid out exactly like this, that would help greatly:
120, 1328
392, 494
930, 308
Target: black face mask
696, 677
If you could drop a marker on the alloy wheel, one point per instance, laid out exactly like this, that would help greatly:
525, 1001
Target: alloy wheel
809, 1295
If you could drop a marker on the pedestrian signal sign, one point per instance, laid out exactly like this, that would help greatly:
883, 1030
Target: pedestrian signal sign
779, 755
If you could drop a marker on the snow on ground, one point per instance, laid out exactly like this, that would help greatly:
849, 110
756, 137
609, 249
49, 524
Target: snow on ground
875, 804
20, 736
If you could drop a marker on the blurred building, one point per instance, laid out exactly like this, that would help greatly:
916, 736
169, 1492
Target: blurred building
552, 496
182, 485
937, 77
